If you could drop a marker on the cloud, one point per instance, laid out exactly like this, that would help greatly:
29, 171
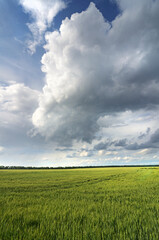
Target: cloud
152, 142
81, 153
42, 12
110, 144
17, 103
1, 149
102, 145
84, 154
143, 135
130, 144
18, 98
120, 143
101, 152
95, 69
143, 151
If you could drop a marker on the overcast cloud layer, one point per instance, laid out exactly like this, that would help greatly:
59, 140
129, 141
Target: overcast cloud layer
96, 69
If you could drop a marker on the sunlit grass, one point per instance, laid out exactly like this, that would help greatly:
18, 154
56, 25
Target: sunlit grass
106, 203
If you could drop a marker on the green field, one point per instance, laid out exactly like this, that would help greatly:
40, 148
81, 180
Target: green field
80, 204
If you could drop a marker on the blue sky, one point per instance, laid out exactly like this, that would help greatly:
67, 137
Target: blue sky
79, 82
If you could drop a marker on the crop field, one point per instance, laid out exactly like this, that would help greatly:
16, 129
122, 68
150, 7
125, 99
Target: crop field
80, 204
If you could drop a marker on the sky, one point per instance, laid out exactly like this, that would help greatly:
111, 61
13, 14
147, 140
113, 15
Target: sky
79, 82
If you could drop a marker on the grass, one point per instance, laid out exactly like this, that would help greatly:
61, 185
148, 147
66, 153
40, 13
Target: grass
80, 204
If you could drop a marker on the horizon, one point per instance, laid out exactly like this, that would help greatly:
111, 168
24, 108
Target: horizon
74, 167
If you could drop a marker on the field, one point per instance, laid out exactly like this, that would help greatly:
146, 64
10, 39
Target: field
80, 204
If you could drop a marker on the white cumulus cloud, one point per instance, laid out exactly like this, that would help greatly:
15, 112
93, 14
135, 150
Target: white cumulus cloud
18, 98
95, 69
17, 104
42, 13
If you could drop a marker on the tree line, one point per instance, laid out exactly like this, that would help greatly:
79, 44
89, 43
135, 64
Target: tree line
74, 167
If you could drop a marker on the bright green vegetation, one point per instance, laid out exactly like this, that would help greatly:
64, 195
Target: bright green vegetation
80, 204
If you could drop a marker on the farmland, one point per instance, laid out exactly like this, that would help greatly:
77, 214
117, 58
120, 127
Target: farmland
80, 204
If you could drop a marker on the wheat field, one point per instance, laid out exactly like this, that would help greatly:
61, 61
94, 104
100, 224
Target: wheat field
80, 204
